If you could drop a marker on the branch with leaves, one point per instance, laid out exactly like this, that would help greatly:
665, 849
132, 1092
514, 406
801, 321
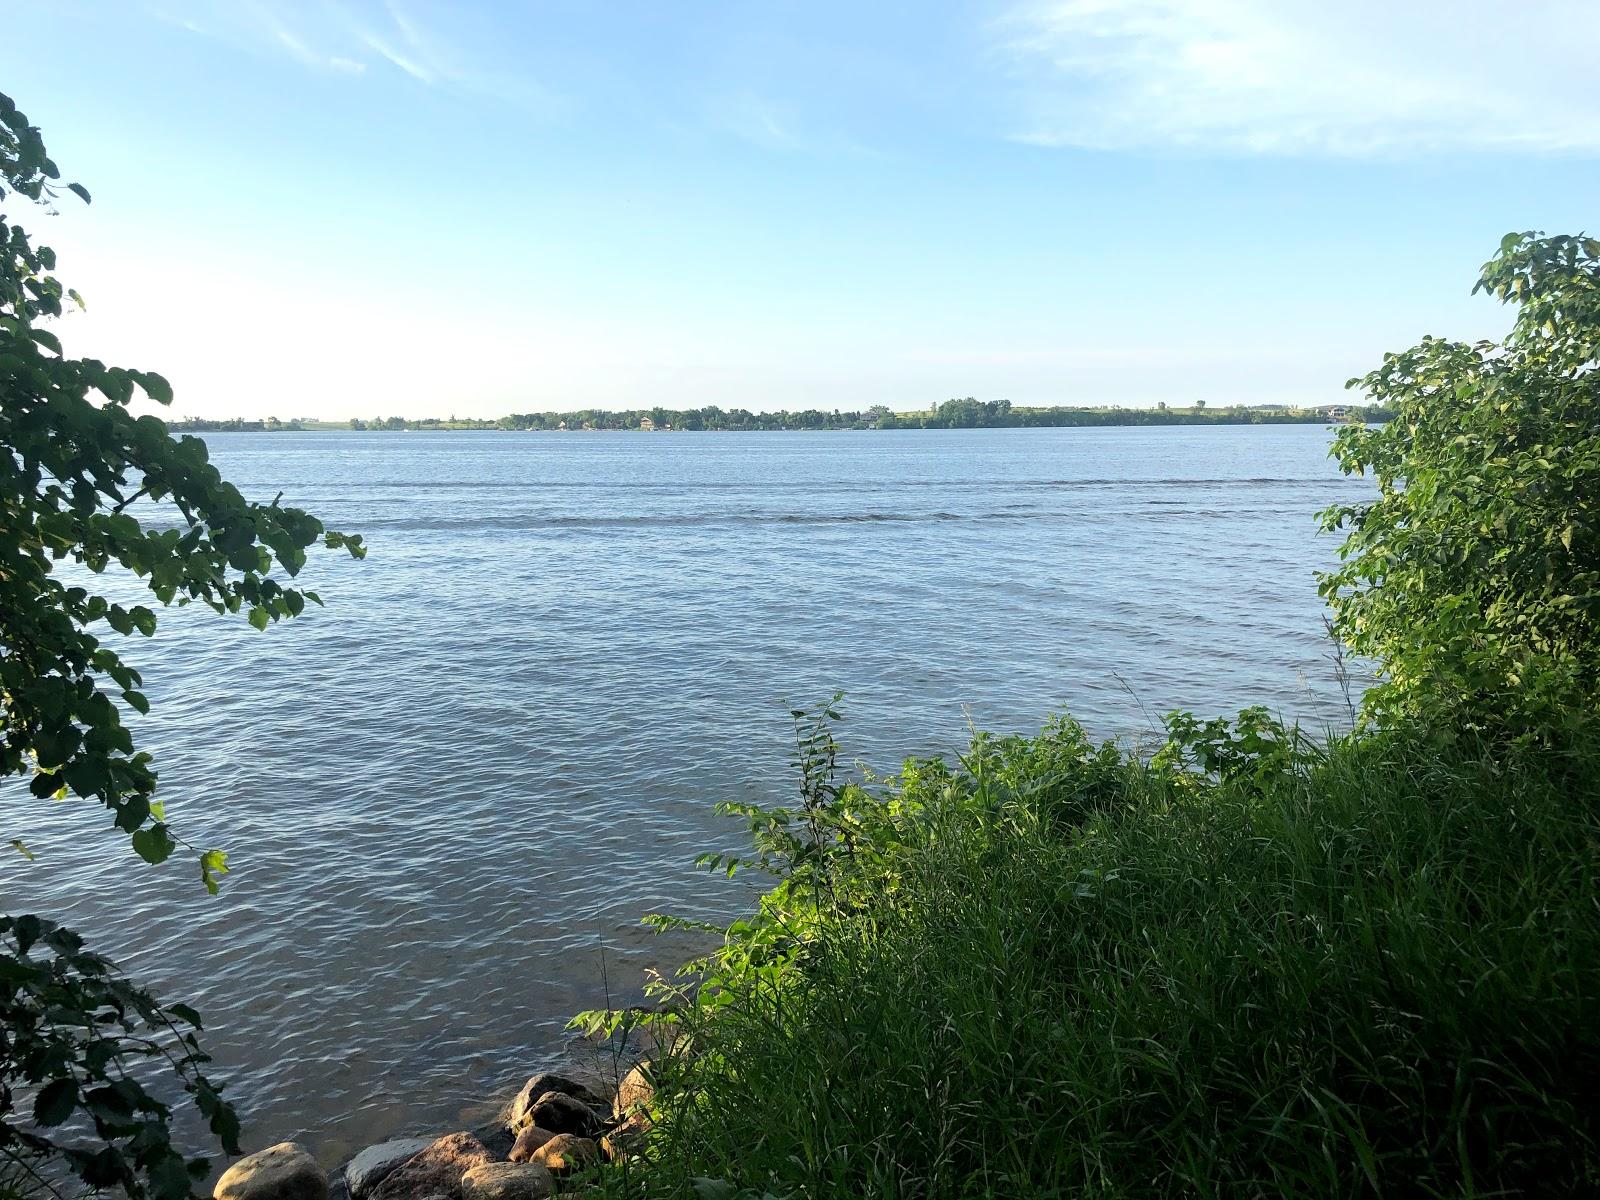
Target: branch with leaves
88, 486
73, 460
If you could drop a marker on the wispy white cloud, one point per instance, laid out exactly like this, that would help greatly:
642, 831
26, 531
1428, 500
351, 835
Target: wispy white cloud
351, 37
386, 49
755, 119
255, 25
774, 125
1333, 77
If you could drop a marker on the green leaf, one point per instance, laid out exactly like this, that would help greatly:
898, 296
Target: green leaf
55, 1102
213, 863
154, 844
132, 813
186, 1013
259, 616
156, 387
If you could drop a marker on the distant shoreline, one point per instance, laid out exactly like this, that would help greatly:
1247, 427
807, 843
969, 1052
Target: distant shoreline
953, 414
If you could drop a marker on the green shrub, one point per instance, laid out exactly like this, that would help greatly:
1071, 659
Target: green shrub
1474, 579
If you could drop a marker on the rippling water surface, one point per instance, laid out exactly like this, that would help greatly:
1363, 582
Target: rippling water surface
500, 742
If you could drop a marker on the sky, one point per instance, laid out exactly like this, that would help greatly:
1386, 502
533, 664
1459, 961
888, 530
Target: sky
336, 208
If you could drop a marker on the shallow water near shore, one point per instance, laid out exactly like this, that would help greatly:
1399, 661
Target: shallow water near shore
449, 796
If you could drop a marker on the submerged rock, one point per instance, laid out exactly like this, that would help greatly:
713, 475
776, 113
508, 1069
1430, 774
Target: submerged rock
566, 1152
373, 1165
543, 1084
435, 1170
282, 1172
507, 1181
560, 1113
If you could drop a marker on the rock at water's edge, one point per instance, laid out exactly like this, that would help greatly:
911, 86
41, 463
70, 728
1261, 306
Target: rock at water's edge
529, 1140
436, 1170
373, 1165
620, 1141
507, 1181
541, 1084
282, 1172
561, 1113
566, 1152
497, 1138
636, 1090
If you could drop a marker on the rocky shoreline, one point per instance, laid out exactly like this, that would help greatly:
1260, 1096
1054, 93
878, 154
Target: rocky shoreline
548, 1140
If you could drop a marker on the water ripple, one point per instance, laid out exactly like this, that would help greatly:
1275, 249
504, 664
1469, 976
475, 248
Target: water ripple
498, 745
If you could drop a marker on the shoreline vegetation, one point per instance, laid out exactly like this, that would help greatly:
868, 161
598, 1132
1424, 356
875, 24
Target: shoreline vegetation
1234, 961
966, 413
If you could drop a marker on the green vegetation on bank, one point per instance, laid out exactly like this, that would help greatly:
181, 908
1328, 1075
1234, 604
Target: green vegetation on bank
965, 413
1241, 961
1255, 966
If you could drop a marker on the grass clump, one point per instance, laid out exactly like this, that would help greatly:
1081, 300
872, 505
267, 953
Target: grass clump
1247, 965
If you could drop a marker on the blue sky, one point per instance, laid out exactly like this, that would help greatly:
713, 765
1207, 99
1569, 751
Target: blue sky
350, 207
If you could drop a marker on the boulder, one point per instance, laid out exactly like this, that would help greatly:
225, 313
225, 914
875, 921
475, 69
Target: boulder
507, 1181
541, 1084
373, 1165
566, 1152
529, 1140
436, 1170
621, 1139
497, 1138
561, 1113
636, 1090
282, 1172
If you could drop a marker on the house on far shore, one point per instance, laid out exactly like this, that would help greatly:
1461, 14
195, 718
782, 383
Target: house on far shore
646, 424
1335, 412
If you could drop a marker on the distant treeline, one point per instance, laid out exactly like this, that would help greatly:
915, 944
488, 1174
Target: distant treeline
965, 413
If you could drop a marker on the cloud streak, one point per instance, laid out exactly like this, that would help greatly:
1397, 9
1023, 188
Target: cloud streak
352, 38
1355, 78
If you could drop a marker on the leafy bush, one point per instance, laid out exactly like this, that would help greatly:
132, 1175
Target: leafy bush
1474, 579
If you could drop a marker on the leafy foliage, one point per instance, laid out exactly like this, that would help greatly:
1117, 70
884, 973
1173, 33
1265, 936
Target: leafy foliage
78, 471
1474, 579
73, 460
71, 1030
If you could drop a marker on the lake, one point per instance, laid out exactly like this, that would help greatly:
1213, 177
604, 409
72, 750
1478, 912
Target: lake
449, 796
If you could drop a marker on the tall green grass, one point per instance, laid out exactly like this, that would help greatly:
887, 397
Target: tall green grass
1251, 967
